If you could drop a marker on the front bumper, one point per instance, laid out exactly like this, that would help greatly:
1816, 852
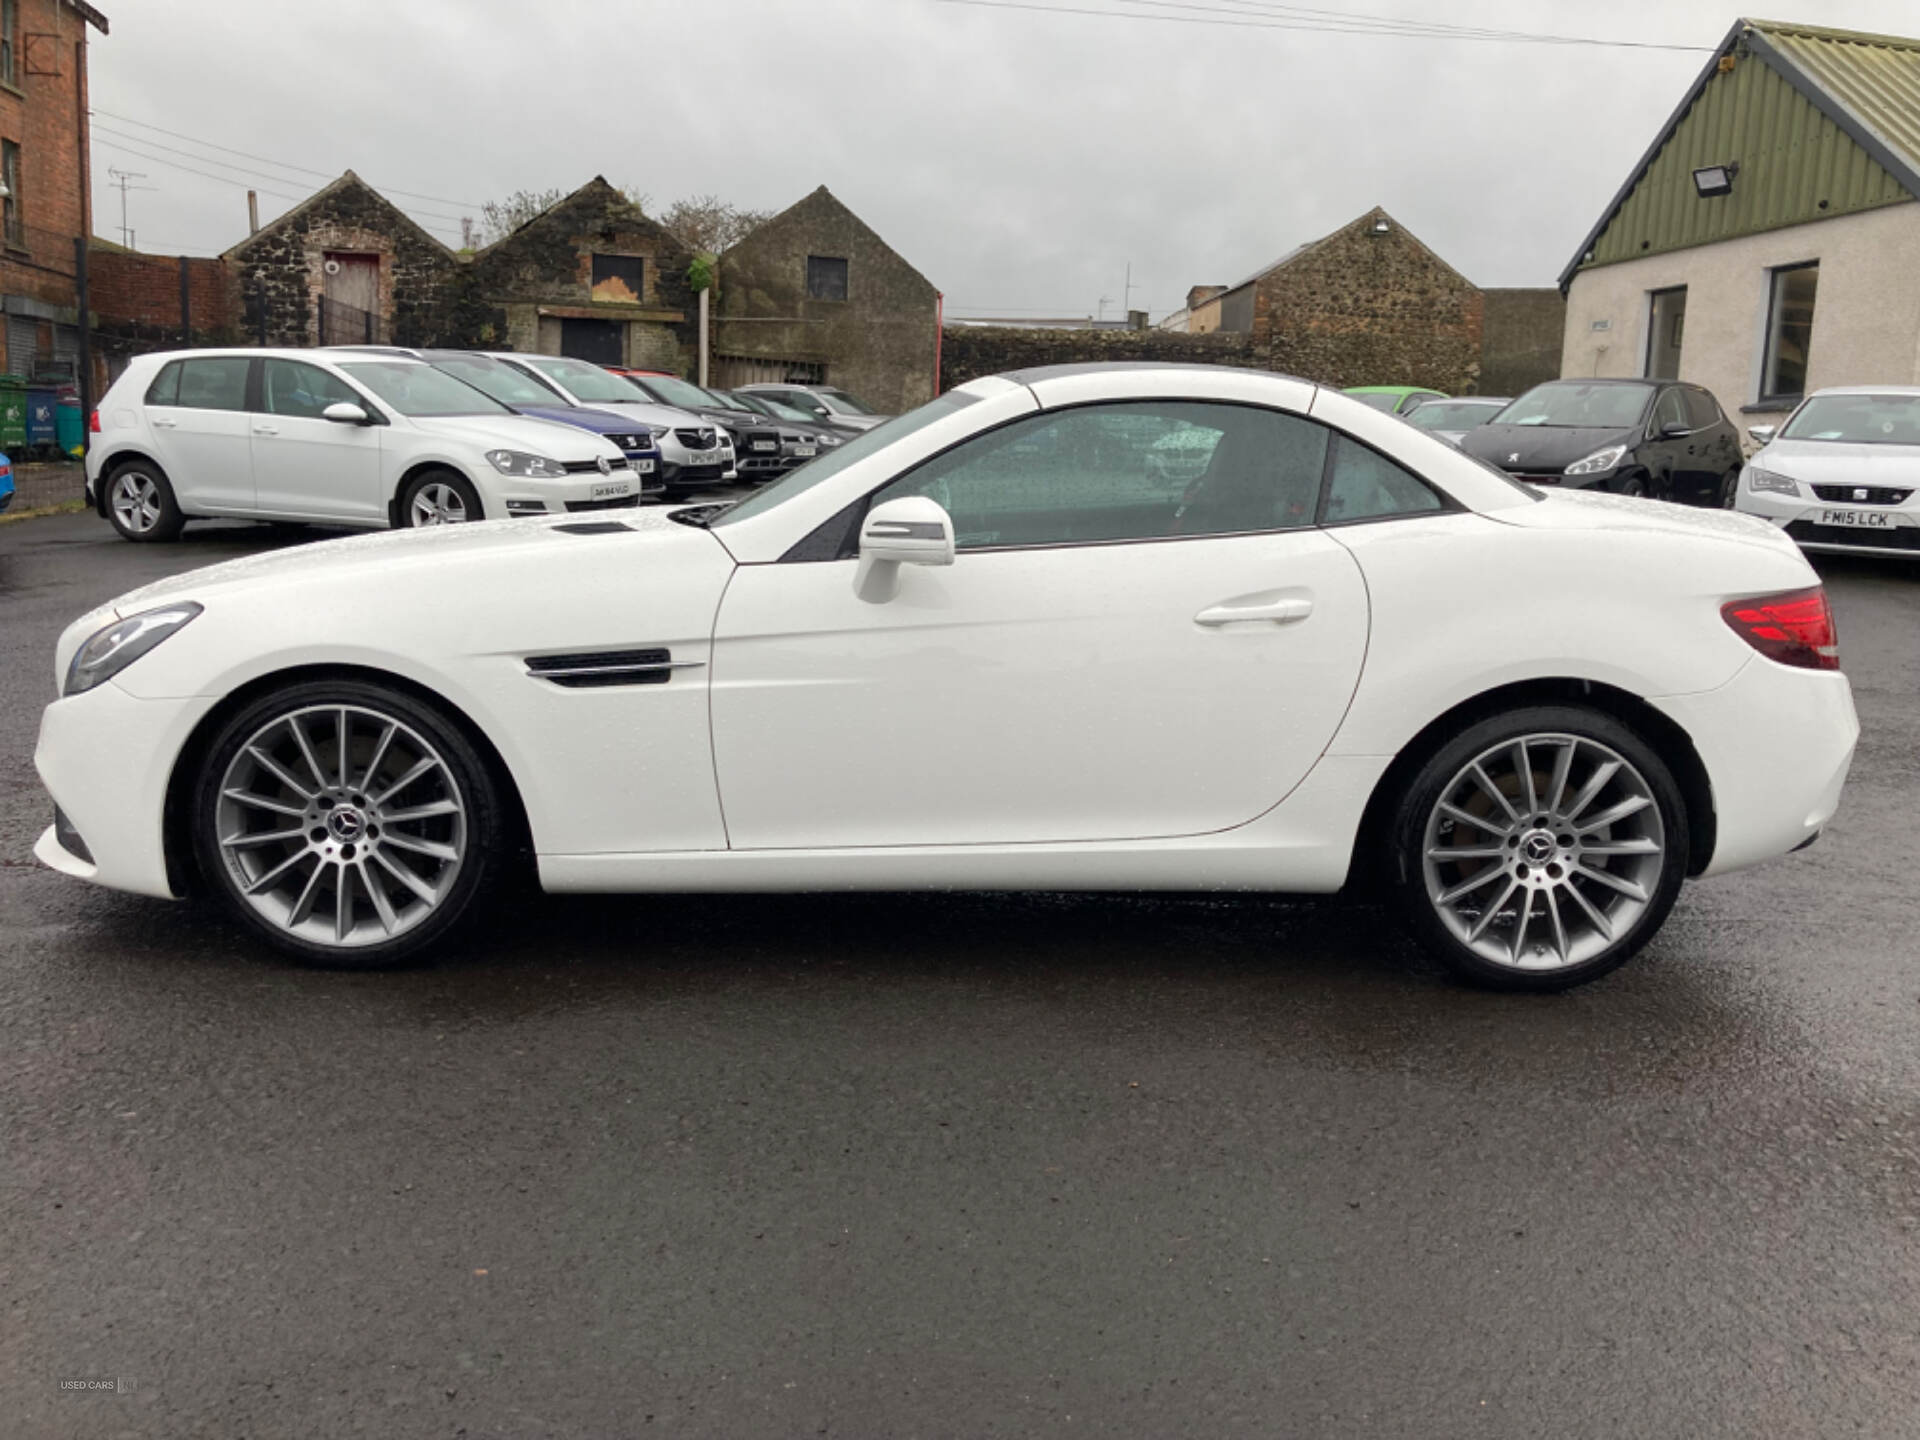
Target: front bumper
1777, 743
106, 758
1891, 530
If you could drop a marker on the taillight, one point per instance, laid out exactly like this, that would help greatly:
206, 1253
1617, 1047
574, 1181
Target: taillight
93, 422
1794, 627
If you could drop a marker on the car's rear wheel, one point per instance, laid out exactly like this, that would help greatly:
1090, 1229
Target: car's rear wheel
440, 497
348, 823
1539, 849
1730, 489
140, 503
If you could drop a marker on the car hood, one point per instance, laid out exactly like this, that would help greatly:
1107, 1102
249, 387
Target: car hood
649, 411
1829, 462
1541, 447
373, 559
582, 417
518, 432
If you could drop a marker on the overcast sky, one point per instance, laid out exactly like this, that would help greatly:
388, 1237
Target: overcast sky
1020, 160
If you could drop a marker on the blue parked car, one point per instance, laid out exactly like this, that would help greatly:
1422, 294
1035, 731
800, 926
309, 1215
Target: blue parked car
6, 482
527, 396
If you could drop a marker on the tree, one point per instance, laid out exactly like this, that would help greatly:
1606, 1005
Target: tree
707, 225
500, 218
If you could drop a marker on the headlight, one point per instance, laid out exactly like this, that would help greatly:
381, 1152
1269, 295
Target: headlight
1599, 462
1758, 479
518, 462
659, 432
109, 651
829, 439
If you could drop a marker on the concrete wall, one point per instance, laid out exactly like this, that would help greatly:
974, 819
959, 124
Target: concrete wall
1520, 344
879, 343
1866, 318
971, 351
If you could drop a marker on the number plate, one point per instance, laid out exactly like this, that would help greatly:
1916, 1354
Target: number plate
1858, 519
644, 467
613, 490
763, 444
805, 452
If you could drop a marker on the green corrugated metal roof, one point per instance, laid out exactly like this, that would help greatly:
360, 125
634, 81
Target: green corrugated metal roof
1821, 123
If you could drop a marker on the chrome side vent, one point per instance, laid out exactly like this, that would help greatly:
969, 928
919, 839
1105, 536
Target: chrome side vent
608, 667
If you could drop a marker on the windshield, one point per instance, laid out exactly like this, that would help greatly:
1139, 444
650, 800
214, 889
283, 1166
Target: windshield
589, 384
1571, 405
500, 382
1452, 414
1858, 419
843, 401
781, 411
805, 477
728, 401
672, 390
1379, 400
416, 389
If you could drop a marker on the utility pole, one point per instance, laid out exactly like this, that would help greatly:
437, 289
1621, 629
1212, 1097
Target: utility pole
1126, 295
123, 182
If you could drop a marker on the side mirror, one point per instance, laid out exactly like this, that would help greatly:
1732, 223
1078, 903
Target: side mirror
1675, 429
345, 412
912, 530
1763, 434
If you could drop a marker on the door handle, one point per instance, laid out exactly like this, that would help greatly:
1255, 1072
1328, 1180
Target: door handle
266, 430
159, 424
1279, 610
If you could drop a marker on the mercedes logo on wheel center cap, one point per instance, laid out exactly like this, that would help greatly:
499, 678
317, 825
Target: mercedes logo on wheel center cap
1538, 847
346, 824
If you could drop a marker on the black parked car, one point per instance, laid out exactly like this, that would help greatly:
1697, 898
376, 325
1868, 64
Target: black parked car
757, 448
1632, 437
819, 433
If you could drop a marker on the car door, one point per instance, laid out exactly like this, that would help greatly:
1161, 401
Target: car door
307, 467
1664, 456
1717, 445
196, 413
1122, 650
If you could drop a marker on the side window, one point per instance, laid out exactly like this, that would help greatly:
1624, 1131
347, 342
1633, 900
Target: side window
1419, 397
216, 383
1702, 411
288, 387
1367, 486
1145, 470
1671, 410
165, 389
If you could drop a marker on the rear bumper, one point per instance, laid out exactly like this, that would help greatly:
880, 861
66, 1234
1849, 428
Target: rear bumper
1777, 743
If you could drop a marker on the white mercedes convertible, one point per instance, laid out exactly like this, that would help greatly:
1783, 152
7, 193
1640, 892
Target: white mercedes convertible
992, 644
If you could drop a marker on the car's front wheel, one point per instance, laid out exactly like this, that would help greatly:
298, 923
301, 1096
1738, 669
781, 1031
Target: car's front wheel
140, 502
346, 822
440, 497
1539, 849
1729, 495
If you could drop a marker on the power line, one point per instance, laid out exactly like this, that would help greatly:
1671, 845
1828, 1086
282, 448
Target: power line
1240, 21
277, 164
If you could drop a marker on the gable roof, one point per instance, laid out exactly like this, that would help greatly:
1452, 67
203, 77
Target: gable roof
598, 193
823, 200
1376, 213
347, 181
1866, 85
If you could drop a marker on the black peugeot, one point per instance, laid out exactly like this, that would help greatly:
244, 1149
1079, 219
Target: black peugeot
1632, 437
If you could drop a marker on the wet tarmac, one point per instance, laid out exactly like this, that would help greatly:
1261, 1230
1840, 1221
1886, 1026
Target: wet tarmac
913, 1166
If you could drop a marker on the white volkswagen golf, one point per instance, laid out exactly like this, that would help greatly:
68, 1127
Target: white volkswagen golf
331, 438
991, 644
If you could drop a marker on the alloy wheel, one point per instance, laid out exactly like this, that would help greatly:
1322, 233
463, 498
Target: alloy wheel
437, 503
136, 502
340, 826
1543, 852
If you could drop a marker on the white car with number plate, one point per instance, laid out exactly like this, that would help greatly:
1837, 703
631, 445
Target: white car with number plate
1843, 474
330, 438
993, 644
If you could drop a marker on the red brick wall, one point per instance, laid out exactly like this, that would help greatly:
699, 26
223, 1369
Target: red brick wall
41, 112
140, 293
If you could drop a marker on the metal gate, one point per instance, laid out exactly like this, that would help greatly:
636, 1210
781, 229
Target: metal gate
343, 324
728, 371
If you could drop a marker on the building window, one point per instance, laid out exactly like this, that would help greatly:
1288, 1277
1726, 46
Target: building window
1789, 331
617, 279
9, 26
10, 176
826, 278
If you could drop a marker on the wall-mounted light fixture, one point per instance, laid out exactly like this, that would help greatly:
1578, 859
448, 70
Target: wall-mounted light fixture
1715, 179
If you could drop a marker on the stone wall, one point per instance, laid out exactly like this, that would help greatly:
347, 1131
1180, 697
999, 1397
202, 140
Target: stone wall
1521, 345
878, 342
970, 351
1366, 308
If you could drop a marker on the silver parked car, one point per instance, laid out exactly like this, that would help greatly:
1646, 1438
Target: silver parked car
824, 402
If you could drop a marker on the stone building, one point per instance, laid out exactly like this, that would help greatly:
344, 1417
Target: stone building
590, 276
344, 267
45, 171
815, 295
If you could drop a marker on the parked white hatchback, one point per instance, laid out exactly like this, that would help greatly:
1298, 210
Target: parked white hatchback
330, 438
1843, 474
992, 645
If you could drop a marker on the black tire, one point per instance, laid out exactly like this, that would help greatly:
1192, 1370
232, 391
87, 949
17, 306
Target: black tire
134, 490
1635, 485
463, 775
1729, 493
426, 481
1409, 836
